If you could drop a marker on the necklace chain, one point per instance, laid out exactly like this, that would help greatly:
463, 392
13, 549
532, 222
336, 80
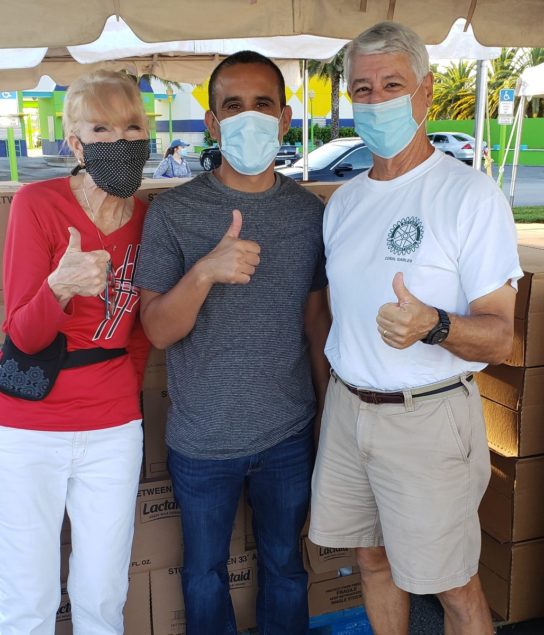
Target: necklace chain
110, 302
93, 218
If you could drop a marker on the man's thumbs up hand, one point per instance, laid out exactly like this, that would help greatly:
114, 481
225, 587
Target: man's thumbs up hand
233, 260
402, 293
406, 321
236, 226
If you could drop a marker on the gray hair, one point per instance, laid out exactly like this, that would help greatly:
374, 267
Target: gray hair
389, 37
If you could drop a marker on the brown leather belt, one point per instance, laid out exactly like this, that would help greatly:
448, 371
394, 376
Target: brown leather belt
376, 397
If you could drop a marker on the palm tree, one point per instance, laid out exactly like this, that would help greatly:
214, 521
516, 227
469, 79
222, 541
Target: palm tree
332, 70
454, 92
503, 72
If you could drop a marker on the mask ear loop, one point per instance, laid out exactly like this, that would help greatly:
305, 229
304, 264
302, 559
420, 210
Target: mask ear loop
219, 125
75, 171
426, 110
80, 165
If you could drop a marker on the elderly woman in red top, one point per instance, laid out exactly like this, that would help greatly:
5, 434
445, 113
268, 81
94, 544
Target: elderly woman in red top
74, 442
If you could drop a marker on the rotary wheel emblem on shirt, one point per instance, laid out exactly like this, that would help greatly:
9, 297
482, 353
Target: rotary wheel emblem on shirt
405, 236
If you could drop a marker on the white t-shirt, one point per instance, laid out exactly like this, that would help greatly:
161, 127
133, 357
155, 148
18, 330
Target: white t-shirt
448, 228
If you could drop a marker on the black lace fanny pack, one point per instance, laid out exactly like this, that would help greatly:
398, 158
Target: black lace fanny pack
32, 377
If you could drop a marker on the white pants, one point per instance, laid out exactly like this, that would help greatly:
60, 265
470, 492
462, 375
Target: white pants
95, 476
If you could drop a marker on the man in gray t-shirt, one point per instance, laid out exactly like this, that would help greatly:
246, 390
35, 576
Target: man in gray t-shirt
233, 286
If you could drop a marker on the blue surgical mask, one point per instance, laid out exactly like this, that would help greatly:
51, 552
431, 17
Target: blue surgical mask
388, 127
249, 141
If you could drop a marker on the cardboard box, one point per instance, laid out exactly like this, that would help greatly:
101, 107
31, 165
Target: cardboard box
155, 410
511, 509
155, 371
167, 599
512, 576
137, 611
528, 348
335, 594
324, 563
513, 406
65, 531
321, 189
157, 530
158, 537
511, 432
65, 551
63, 623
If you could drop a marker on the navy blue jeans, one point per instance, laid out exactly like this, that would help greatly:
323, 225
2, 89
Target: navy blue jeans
208, 492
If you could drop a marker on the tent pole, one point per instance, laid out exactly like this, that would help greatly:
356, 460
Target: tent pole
521, 112
304, 120
481, 99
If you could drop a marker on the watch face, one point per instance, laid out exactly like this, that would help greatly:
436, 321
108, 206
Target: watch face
439, 336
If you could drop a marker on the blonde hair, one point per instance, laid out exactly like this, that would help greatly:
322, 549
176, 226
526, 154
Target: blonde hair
90, 98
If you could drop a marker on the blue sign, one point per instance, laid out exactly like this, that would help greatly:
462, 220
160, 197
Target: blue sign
506, 94
6, 95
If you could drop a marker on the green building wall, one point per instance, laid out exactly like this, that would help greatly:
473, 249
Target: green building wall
532, 137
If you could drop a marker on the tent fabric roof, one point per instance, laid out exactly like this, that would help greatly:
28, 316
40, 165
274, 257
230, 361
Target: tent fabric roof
119, 48
531, 82
35, 23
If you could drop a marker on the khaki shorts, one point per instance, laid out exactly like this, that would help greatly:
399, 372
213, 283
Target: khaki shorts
407, 476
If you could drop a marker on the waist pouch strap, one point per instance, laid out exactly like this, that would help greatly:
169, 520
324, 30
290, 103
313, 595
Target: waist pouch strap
87, 356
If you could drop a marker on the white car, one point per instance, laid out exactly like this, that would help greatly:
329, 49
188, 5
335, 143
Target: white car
456, 144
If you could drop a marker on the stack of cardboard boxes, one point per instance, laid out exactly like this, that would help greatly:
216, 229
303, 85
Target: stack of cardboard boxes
512, 513
512, 510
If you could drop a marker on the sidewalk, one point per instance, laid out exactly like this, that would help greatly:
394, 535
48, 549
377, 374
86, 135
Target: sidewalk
531, 234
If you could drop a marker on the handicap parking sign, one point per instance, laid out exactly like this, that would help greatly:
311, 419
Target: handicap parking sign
506, 94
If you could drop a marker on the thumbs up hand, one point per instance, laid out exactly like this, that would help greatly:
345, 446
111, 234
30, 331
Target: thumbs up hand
233, 260
78, 272
406, 321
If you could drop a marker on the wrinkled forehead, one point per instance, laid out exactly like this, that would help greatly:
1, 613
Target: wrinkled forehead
370, 67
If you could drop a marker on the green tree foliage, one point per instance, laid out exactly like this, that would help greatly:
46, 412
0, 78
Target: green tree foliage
321, 133
334, 71
503, 72
454, 89
455, 86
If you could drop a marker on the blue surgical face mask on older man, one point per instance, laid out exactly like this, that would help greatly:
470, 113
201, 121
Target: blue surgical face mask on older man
249, 141
388, 127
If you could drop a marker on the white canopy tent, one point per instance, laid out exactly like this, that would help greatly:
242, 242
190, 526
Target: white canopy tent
118, 47
35, 23
152, 38
530, 84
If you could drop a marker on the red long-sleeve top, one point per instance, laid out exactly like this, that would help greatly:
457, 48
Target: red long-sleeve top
90, 397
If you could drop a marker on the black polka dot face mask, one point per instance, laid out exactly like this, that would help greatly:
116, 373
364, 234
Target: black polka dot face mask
116, 166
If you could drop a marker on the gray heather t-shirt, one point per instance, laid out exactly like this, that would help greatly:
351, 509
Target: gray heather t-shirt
240, 381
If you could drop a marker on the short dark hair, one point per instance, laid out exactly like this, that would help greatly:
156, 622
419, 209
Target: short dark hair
244, 57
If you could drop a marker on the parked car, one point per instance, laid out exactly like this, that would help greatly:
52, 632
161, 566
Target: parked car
456, 144
210, 158
287, 155
337, 160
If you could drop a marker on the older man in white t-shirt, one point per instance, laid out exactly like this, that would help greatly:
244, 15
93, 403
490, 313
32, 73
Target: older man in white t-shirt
422, 265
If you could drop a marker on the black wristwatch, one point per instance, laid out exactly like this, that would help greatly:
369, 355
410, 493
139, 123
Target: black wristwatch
439, 332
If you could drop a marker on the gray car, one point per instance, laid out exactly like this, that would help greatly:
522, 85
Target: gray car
456, 144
